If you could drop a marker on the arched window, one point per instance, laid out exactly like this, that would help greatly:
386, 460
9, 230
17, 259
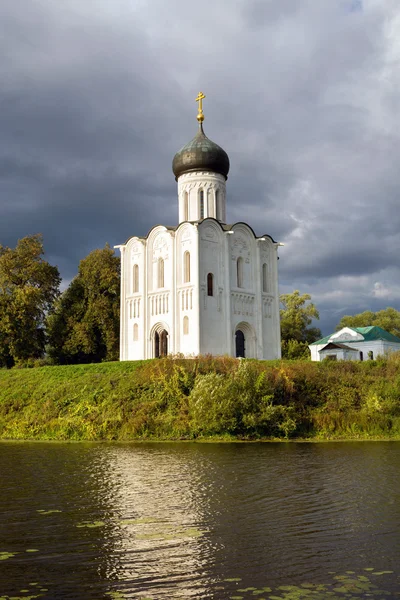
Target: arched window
160, 273
217, 206
210, 284
186, 267
201, 202
239, 272
265, 278
135, 279
185, 206
135, 332
185, 325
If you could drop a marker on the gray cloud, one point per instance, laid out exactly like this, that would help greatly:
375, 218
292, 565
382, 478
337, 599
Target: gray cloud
96, 98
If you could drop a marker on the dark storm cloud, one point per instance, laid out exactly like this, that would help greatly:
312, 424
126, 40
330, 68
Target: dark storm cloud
96, 98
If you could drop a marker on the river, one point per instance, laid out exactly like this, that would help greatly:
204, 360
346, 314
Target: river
187, 520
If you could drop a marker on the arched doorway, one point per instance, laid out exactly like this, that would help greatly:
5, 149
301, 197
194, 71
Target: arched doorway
240, 347
244, 341
160, 343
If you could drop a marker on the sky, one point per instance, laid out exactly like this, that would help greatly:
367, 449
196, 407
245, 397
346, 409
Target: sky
96, 97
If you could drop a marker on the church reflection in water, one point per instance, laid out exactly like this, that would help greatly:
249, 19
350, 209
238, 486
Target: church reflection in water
160, 541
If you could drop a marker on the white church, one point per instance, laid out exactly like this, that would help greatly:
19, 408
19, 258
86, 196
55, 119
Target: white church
201, 287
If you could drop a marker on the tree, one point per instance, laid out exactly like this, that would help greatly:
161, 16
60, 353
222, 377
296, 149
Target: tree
28, 288
84, 326
388, 319
296, 318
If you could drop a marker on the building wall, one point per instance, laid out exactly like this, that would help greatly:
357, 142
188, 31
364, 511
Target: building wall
196, 322
160, 305
213, 310
160, 300
238, 300
340, 353
245, 289
187, 291
378, 347
271, 328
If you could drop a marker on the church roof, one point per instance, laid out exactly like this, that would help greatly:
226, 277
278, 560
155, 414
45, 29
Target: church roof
332, 346
224, 227
370, 334
201, 154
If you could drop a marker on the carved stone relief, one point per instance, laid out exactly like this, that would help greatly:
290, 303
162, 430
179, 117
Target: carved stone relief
209, 234
160, 248
240, 244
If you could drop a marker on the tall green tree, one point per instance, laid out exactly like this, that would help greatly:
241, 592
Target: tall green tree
28, 288
84, 326
297, 314
388, 319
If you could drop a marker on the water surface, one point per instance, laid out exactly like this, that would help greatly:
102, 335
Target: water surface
183, 520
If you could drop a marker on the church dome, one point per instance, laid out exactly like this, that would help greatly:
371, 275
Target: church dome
201, 154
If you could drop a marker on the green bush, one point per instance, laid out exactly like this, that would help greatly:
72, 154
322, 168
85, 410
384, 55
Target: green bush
177, 398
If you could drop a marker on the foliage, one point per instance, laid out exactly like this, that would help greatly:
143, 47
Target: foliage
388, 319
177, 398
297, 314
295, 350
84, 326
28, 288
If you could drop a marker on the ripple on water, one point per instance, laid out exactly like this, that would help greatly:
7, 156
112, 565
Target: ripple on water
201, 521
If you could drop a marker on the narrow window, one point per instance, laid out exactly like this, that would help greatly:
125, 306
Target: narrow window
265, 277
185, 206
210, 284
135, 332
361, 356
186, 267
210, 211
164, 343
160, 272
217, 207
201, 199
371, 355
185, 325
135, 278
239, 272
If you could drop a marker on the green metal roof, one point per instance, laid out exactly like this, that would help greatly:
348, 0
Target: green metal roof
370, 334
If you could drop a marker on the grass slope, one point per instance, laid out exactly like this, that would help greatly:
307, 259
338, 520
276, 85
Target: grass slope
202, 398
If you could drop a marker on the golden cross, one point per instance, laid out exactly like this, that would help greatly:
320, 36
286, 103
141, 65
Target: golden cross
199, 99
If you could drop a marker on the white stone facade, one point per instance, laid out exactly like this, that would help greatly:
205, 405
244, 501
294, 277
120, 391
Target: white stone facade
202, 287
200, 283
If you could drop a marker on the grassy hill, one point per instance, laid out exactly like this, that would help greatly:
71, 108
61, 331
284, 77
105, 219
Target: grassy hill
202, 398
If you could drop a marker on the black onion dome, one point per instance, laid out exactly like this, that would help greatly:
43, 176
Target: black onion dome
201, 154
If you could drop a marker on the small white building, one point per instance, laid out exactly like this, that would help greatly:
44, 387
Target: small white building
201, 287
355, 343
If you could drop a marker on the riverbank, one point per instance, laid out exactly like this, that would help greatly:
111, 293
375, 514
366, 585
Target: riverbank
204, 398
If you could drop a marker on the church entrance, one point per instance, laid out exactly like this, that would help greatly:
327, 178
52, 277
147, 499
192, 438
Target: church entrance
160, 344
240, 344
